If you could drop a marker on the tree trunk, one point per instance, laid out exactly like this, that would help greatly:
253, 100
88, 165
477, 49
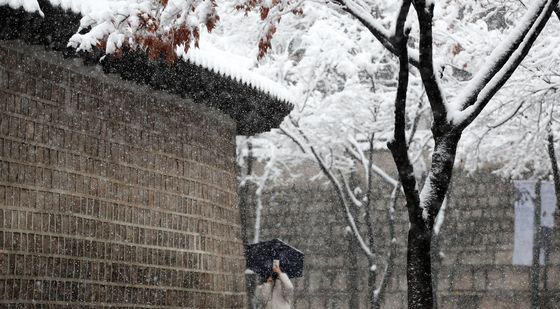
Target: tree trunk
353, 273
436, 264
244, 193
554, 165
536, 267
418, 267
419, 270
244, 208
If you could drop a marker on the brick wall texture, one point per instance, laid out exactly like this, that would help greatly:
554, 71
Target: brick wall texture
477, 240
112, 195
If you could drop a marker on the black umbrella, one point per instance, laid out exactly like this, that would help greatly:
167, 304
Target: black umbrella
260, 256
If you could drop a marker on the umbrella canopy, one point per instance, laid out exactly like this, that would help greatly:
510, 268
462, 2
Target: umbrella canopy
260, 256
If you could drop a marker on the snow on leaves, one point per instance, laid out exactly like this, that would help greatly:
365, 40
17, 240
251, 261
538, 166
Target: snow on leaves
164, 29
158, 26
271, 12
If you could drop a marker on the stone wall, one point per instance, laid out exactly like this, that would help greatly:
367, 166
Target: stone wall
112, 195
476, 245
477, 241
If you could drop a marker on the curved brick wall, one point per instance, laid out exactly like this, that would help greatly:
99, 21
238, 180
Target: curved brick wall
111, 195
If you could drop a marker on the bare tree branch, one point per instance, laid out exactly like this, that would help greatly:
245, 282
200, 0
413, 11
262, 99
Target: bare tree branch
507, 117
415, 121
398, 145
554, 164
369, 179
424, 12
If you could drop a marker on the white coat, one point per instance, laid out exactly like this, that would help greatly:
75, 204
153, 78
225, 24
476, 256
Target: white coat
276, 295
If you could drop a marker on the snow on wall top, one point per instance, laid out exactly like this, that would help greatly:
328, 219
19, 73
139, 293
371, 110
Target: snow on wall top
206, 56
217, 61
76, 6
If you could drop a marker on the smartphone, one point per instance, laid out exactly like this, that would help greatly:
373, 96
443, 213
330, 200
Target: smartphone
275, 263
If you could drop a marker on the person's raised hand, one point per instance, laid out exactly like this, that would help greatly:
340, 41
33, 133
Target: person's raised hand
276, 269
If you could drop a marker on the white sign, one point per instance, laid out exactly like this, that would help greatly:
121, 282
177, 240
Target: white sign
548, 204
524, 220
525, 217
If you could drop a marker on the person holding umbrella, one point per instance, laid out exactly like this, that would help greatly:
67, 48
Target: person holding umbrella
276, 262
277, 291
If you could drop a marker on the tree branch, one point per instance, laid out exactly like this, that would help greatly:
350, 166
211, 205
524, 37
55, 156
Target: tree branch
388, 272
261, 184
294, 139
369, 197
507, 117
338, 188
369, 179
424, 12
360, 154
342, 201
351, 194
415, 121
378, 31
503, 61
374, 169
554, 164
398, 145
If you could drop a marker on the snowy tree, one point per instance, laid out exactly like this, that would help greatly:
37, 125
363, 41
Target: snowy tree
341, 124
349, 195
160, 26
329, 62
526, 105
451, 114
516, 134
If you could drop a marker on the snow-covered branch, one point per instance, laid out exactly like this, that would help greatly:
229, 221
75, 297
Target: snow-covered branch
501, 64
368, 164
389, 266
360, 153
440, 217
350, 192
340, 194
381, 33
384, 176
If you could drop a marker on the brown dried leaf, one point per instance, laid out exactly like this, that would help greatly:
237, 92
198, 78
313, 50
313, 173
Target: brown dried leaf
264, 12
